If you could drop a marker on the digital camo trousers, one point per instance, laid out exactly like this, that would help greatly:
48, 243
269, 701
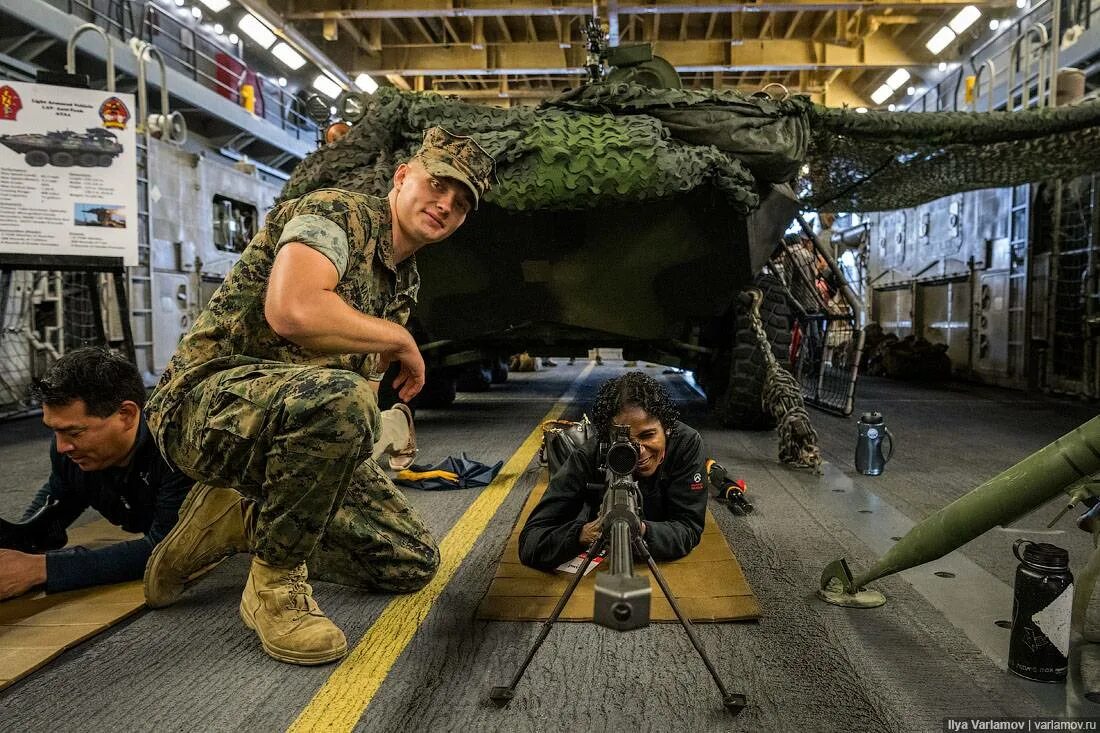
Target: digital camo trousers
298, 439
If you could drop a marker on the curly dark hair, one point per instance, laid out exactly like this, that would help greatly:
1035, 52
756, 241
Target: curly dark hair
633, 389
101, 378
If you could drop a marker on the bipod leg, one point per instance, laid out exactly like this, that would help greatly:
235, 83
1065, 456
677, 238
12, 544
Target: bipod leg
503, 695
733, 701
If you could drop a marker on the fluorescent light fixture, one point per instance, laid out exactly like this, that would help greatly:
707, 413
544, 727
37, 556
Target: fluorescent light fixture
861, 110
366, 83
288, 56
881, 94
898, 78
216, 6
325, 85
939, 41
255, 29
964, 19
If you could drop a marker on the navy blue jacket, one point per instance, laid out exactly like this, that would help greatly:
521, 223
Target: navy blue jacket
674, 504
143, 497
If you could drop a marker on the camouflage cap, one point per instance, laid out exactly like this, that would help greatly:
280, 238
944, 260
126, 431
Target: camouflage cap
460, 157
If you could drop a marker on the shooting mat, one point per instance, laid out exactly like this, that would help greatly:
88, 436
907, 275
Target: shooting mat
35, 627
708, 584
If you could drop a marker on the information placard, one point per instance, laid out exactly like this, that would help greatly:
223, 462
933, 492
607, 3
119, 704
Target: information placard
68, 172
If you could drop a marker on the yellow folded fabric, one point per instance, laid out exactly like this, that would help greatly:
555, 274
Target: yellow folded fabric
407, 475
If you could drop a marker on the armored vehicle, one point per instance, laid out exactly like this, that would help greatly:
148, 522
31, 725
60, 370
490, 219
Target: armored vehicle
634, 217
95, 147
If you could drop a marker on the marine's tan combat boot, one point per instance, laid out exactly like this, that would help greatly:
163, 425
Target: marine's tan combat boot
278, 604
213, 525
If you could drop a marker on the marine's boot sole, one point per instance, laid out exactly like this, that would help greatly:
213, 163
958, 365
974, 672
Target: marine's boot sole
161, 594
290, 657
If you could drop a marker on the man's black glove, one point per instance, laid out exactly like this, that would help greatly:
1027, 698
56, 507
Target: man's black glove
730, 490
41, 532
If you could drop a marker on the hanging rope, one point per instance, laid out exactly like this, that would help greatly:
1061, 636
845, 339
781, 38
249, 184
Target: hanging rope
782, 397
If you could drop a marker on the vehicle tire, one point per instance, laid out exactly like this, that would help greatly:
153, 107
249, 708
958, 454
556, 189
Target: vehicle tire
104, 161
87, 160
61, 159
738, 406
499, 371
438, 392
36, 158
475, 378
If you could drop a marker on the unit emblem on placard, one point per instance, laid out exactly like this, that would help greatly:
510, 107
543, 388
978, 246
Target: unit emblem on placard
114, 113
10, 103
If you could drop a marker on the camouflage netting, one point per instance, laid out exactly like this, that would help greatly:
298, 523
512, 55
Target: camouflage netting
597, 146
604, 144
891, 160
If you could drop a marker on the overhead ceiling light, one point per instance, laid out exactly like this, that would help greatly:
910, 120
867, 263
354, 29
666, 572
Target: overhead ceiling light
219, 28
892, 107
898, 78
861, 110
881, 94
939, 41
964, 19
942, 66
1021, 4
180, 3
196, 12
216, 6
234, 38
255, 29
325, 85
282, 81
994, 24
366, 83
911, 90
288, 56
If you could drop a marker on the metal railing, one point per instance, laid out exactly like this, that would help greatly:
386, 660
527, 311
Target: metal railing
187, 49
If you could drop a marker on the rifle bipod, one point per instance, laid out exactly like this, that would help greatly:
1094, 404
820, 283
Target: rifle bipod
734, 702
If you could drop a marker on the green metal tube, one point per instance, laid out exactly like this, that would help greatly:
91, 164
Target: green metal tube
1000, 500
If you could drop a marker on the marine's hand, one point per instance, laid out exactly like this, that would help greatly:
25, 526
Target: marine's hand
19, 572
590, 532
410, 378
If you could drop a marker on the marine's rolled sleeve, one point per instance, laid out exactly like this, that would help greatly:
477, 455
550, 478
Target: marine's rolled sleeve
321, 234
320, 220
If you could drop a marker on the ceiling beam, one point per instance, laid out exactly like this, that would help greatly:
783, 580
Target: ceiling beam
875, 51
319, 9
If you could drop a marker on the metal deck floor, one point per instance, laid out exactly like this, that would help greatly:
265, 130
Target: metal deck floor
931, 652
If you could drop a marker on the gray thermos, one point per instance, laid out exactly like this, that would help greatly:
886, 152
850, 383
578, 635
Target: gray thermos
1041, 603
872, 431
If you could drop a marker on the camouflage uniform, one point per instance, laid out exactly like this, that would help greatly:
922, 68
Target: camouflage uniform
239, 406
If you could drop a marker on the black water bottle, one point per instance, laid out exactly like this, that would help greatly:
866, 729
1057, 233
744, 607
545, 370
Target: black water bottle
1041, 605
871, 432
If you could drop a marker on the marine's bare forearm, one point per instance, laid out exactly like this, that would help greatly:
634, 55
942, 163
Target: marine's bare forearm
323, 322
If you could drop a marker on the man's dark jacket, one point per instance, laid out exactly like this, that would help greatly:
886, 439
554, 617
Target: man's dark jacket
674, 504
143, 497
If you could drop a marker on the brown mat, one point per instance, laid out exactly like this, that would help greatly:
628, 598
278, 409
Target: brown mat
35, 628
708, 584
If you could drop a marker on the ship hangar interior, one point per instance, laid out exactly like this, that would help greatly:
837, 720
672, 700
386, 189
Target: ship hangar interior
894, 369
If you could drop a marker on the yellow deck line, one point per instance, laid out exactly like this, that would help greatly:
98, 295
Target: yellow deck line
340, 702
